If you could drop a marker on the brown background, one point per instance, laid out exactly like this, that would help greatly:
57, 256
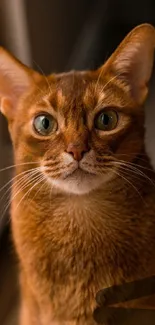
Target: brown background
53, 36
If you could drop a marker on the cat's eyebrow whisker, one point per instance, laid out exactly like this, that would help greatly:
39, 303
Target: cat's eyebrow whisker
48, 84
113, 78
99, 77
42, 92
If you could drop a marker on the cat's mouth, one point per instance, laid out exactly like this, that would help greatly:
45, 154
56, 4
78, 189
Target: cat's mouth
79, 173
77, 181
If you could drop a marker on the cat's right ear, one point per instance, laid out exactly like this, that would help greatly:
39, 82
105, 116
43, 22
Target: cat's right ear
15, 80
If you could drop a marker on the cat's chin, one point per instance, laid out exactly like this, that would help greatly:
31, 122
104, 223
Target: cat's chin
79, 182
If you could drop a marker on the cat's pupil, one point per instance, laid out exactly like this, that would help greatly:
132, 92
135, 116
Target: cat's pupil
45, 123
105, 119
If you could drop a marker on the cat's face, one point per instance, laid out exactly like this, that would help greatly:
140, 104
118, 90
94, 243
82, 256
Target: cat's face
76, 127
79, 126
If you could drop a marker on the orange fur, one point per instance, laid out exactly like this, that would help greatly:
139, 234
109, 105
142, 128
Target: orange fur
78, 231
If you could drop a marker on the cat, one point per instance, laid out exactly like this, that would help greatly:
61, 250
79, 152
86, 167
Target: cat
83, 195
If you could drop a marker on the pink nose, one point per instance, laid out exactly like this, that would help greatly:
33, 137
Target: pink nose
77, 150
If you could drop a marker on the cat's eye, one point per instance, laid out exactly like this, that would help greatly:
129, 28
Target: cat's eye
44, 124
106, 120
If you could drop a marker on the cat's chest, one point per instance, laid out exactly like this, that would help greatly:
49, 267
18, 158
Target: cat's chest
76, 247
70, 236
81, 235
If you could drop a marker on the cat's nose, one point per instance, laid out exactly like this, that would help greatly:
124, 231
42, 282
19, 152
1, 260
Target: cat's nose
77, 150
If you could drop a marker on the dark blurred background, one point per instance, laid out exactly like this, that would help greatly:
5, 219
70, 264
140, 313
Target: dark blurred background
54, 36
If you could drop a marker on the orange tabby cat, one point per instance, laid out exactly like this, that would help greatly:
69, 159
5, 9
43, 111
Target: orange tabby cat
83, 204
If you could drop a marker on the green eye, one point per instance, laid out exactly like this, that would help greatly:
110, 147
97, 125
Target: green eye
45, 124
106, 120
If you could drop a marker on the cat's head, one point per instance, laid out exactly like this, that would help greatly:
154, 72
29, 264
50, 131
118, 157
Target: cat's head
79, 126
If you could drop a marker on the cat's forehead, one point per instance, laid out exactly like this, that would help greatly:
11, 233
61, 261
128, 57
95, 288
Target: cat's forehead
80, 90
73, 80
69, 89
85, 87
72, 87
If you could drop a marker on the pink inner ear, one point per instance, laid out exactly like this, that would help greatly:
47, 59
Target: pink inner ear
19, 89
9, 99
6, 107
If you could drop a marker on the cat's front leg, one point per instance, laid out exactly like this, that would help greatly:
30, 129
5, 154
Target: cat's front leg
29, 310
28, 316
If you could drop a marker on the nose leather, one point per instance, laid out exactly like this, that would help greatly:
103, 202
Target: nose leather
77, 150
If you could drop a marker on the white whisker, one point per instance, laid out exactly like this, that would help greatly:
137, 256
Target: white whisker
112, 78
48, 84
12, 179
30, 172
25, 185
40, 188
17, 165
126, 180
135, 170
28, 192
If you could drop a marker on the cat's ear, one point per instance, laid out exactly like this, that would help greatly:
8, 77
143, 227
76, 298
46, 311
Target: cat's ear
132, 62
15, 80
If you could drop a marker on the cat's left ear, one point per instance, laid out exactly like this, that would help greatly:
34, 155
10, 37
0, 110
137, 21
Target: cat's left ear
132, 62
15, 80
